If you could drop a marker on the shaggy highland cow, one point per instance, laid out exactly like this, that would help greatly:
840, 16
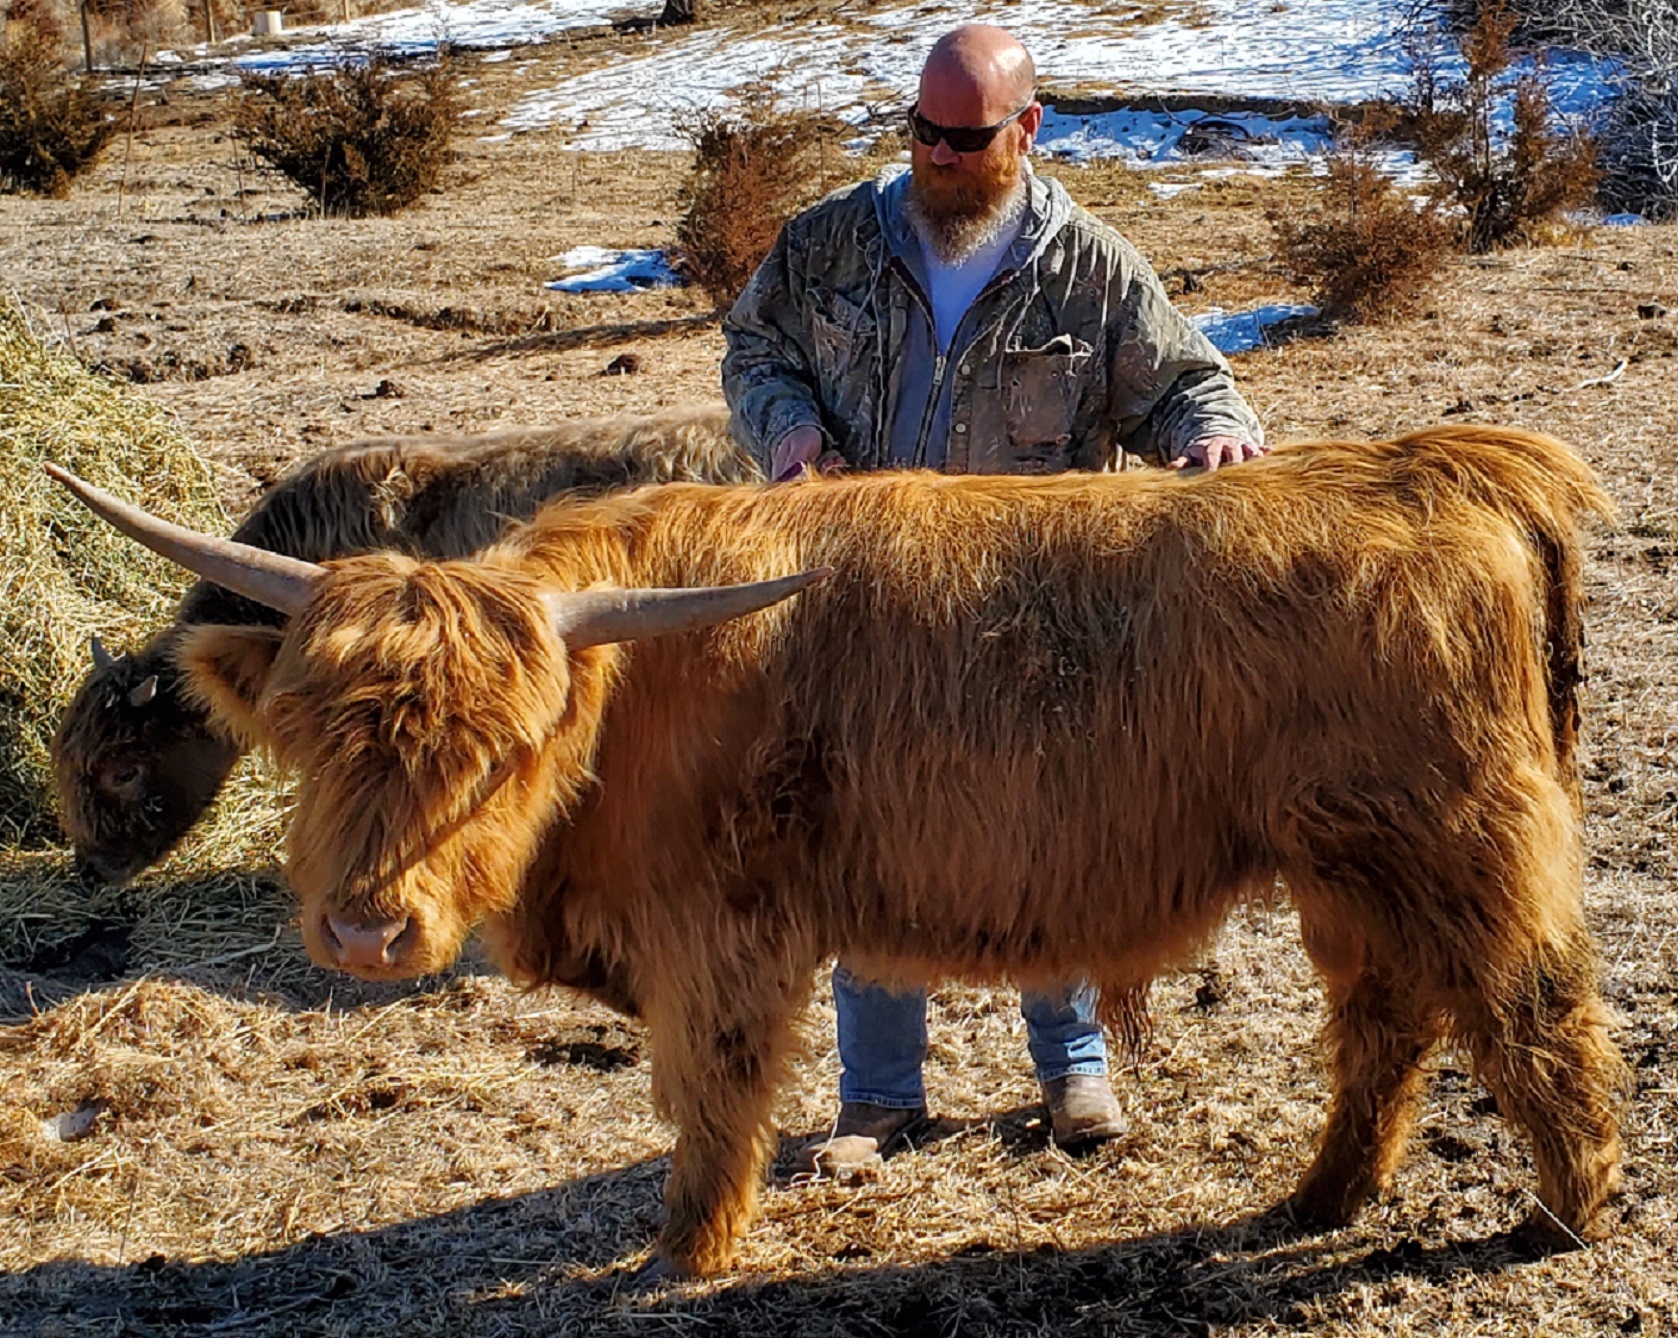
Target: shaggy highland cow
1027, 728
136, 761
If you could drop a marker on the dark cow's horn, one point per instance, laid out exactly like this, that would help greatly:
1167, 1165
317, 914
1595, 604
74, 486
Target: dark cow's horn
280, 582
596, 617
102, 658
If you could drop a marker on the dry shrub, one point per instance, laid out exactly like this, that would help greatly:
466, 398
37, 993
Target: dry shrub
51, 127
755, 165
40, 14
1638, 133
1508, 186
361, 139
122, 32
130, 28
1542, 20
64, 574
1366, 251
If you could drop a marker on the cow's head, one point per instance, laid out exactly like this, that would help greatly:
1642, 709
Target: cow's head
438, 716
134, 763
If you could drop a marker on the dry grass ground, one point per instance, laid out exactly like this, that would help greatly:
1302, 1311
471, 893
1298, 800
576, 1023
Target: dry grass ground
269, 1150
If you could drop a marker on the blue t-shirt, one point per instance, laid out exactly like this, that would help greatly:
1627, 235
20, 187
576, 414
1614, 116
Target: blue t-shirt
952, 287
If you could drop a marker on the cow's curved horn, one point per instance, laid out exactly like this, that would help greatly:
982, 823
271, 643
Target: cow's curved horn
281, 582
102, 658
596, 617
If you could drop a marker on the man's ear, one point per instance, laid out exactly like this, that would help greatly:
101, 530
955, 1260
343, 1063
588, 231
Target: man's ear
226, 671
1031, 123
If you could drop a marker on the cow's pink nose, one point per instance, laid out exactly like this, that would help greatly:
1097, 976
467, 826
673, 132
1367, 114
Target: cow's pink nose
368, 943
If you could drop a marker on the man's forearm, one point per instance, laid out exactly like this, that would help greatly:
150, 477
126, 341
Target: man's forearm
1200, 405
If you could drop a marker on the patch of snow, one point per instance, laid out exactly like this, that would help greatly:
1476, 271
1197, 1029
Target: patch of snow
608, 271
1239, 331
862, 62
1149, 138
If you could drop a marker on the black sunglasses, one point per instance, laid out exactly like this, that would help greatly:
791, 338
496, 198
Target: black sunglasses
960, 138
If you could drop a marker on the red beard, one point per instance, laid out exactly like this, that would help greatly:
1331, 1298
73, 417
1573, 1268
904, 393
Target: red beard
959, 211
949, 196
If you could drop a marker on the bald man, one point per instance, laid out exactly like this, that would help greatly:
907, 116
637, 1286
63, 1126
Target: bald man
967, 316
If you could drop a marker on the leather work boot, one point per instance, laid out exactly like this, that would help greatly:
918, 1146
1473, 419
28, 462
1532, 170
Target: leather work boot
1083, 1110
861, 1135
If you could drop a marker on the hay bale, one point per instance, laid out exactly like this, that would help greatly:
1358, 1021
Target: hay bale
216, 909
64, 574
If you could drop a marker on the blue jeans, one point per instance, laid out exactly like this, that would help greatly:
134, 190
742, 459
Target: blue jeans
882, 1039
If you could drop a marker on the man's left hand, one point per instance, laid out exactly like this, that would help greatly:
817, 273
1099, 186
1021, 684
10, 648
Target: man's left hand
1210, 452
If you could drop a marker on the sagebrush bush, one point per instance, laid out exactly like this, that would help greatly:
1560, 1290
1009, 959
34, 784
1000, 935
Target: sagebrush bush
1541, 20
51, 127
755, 165
1366, 251
362, 139
41, 14
1506, 185
1637, 133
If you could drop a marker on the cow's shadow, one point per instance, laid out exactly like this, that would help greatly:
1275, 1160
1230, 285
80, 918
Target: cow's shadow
565, 1260
86, 939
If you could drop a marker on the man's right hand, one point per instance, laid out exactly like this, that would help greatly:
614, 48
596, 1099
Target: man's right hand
796, 454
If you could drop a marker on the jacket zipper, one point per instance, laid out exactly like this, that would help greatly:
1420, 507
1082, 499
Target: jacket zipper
918, 460
941, 361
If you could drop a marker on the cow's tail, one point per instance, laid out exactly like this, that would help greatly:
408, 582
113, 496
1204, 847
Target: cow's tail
1548, 491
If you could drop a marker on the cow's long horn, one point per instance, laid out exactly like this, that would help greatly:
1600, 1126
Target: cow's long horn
596, 617
281, 582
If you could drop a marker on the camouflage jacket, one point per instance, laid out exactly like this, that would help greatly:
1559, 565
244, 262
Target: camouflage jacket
1071, 353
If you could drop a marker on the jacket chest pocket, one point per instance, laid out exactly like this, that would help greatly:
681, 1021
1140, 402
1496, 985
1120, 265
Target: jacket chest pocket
1041, 388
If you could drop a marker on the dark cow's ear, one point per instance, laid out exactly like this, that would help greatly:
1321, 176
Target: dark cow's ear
226, 670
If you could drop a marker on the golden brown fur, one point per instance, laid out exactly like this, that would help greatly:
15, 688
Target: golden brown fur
135, 771
1033, 728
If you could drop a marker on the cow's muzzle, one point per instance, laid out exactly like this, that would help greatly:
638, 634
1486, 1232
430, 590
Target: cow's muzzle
379, 946
96, 866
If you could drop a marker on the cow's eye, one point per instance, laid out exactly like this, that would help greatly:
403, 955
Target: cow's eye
123, 777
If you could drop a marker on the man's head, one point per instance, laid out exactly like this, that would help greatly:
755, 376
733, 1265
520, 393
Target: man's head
976, 78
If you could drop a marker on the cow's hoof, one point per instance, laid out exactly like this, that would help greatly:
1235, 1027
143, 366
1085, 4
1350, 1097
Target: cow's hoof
1543, 1234
1323, 1208
660, 1271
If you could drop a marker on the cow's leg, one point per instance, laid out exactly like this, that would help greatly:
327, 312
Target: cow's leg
715, 1074
1378, 1032
1539, 1039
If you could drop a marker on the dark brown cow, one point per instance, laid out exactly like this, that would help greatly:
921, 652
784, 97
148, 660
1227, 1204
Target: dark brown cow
1033, 728
136, 763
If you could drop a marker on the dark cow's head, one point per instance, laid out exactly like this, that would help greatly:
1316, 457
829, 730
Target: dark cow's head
134, 764
438, 715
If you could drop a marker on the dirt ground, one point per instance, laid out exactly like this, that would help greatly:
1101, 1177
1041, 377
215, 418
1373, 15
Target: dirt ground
270, 1150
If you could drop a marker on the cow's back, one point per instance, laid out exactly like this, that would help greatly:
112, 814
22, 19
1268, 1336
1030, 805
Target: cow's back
448, 496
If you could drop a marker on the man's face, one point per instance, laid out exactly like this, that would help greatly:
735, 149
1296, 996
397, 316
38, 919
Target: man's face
952, 187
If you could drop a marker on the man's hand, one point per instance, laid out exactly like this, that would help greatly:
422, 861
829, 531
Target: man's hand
795, 454
1210, 452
